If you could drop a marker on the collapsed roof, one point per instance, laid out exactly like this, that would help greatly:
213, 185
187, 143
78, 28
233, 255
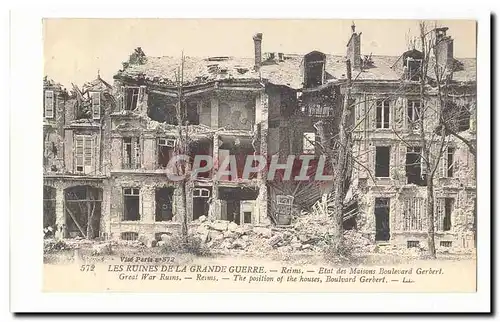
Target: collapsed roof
285, 71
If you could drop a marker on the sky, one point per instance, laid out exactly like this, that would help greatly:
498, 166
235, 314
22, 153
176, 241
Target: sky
75, 50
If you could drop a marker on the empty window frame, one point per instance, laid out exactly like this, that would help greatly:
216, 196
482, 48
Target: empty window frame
413, 114
84, 147
415, 166
131, 97
131, 153
444, 209
247, 217
315, 73
96, 105
131, 204
382, 161
308, 143
165, 151
413, 68
413, 209
164, 204
200, 202
49, 103
383, 114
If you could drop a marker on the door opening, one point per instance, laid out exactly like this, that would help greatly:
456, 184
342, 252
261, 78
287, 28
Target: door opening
382, 229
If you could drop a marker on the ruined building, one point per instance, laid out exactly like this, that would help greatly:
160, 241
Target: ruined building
106, 148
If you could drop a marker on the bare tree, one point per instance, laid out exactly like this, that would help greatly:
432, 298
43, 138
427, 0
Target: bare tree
432, 147
335, 140
181, 149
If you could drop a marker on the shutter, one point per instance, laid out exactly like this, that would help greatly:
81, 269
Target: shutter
137, 154
87, 146
444, 164
124, 153
133, 152
49, 104
79, 147
439, 214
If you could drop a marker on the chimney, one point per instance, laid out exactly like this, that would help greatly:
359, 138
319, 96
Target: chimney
354, 49
444, 49
257, 43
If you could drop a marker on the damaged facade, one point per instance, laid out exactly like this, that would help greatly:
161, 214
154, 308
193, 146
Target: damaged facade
106, 148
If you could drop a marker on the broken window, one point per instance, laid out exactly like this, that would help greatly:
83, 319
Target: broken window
193, 117
382, 161
49, 104
84, 153
414, 69
382, 226
96, 105
415, 166
412, 63
314, 69
131, 204
82, 205
383, 114
131, 98
238, 204
444, 208
412, 214
164, 202
308, 143
413, 114
165, 151
131, 153
201, 198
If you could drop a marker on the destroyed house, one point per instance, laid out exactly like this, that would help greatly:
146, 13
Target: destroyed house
267, 105
75, 159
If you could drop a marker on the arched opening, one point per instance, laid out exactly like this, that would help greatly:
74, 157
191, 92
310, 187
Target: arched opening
314, 69
49, 211
82, 205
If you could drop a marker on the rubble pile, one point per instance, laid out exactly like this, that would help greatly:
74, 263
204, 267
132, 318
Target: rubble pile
308, 234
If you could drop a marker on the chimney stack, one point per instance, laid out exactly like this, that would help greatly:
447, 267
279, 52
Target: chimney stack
257, 43
444, 49
354, 49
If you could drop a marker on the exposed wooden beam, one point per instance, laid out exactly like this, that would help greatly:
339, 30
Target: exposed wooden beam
163, 93
74, 219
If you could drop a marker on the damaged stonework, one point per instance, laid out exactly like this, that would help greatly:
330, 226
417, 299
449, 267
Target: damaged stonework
110, 146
